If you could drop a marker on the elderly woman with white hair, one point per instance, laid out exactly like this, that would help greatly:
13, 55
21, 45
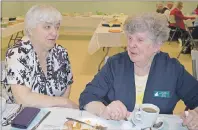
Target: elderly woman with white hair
38, 71
143, 74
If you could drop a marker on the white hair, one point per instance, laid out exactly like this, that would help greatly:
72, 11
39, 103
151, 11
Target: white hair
154, 23
41, 13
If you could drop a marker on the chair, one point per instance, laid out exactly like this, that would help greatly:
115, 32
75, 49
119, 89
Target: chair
194, 54
174, 29
190, 39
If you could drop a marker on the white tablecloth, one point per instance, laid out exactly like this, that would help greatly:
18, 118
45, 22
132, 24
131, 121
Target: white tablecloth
58, 116
189, 22
80, 21
68, 21
103, 38
83, 21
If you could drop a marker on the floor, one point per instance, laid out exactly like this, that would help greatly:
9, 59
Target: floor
84, 66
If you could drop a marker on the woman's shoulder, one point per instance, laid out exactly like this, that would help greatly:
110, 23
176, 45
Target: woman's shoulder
120, 56
20, 48
164, 58
119, 60
22, 44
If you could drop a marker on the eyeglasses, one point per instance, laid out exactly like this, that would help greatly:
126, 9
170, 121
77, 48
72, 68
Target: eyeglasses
10, 117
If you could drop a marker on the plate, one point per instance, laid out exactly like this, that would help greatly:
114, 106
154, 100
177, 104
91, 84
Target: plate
111, 125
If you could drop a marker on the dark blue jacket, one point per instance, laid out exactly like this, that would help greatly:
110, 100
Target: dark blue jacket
168, 82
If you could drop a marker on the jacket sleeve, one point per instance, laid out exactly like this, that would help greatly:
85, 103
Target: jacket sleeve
187, 87
179, 15
98, 88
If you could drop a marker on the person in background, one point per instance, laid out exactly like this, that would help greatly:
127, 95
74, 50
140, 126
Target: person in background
159, 7
167, 8
179, 17
179, 23
142, 74
195, 11
38, 71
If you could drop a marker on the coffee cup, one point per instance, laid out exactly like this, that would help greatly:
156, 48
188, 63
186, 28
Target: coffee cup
146, 115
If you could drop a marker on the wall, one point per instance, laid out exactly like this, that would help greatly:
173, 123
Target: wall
127, 7
11, 8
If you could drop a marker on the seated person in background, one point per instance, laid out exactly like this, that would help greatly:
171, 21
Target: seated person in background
179, 22
196, 22
38, 71
136, 76
167, 8
179, 17
195, 31
159, 7
196, 11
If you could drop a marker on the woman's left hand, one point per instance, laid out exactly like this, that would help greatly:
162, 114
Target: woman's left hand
190, 120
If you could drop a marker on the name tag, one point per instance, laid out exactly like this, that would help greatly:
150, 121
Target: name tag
162, 94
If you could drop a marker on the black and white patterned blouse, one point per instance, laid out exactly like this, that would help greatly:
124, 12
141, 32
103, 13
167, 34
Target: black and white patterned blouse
23, 68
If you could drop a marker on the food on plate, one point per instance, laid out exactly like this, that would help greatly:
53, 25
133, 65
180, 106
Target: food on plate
72, 125
115, 30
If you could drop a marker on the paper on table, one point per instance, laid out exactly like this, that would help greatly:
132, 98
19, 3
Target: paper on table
57, 118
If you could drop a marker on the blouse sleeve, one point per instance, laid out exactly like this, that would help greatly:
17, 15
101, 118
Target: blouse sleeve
17, 68
69, 74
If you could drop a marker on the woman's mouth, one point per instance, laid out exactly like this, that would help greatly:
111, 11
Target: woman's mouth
133, 53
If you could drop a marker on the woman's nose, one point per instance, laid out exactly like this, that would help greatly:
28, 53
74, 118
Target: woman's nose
132, 44
54, 31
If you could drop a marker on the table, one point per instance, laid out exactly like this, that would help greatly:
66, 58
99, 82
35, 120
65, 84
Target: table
68, 21
189, 22
102, 38
85, 21
58, 116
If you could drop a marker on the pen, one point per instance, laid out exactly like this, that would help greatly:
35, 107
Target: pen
36, 126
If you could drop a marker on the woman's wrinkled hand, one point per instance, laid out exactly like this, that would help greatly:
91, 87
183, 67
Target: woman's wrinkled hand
190, 119
116, 110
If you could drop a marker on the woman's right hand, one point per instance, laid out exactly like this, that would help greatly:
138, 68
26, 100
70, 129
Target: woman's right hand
116, 110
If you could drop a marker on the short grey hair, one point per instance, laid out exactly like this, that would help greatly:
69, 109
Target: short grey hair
154, 23
41, 13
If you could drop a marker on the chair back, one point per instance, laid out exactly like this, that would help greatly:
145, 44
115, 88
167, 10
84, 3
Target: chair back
194, 54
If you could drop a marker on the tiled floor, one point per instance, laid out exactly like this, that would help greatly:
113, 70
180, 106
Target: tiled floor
84, 66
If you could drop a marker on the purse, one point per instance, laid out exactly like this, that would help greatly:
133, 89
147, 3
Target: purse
25, 117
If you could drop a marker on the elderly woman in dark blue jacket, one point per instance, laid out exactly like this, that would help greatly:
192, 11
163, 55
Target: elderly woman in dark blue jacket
143, 74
